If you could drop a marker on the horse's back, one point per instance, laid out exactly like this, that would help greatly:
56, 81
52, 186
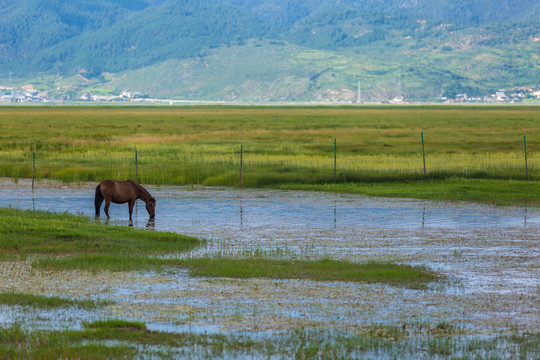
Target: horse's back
118, 191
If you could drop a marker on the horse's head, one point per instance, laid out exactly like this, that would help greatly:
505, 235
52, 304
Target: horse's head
151, 207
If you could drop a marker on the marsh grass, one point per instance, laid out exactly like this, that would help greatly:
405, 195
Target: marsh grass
116, 338
116, 324
320, 270
46, 302
243, 268
19, 343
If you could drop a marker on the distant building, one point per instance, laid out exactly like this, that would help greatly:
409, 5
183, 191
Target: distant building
126, 94
462, 98
500, 96
398, 100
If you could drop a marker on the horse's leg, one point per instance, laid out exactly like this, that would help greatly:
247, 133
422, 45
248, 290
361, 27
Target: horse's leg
98, 206
107, 204
131, 204
98, 200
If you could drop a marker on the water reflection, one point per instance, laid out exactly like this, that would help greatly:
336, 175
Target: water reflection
335, 214
151, 224
241, 215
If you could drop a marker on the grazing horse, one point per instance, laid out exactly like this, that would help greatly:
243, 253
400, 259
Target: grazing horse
121, 192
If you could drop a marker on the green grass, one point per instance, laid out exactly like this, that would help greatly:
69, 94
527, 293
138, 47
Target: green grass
497, 192
45, 302
116, 324
26, 232
321, 270
115, 338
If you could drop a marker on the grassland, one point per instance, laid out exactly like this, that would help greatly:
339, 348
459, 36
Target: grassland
281, 146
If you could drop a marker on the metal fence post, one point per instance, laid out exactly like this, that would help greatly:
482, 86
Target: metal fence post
423, 155
241, 162
526, 167
136, 166
33, 168
335, 161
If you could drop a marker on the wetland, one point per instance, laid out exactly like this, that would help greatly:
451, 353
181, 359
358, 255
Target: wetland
487, 259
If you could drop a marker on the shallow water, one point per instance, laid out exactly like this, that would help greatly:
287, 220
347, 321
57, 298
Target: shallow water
489, 254
187, 210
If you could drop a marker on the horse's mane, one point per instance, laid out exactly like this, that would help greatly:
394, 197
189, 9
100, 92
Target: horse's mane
143, 190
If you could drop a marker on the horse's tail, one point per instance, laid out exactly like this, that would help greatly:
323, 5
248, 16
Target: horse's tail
98, 199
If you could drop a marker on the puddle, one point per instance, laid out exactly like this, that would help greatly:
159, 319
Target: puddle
489, 254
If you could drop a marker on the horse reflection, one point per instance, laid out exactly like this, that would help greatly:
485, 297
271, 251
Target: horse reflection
151, 224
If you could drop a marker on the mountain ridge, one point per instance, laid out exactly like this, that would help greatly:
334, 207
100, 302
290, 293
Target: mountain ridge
437, 49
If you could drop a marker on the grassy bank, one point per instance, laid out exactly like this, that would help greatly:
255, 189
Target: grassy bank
496, 192
123, 339
26, 232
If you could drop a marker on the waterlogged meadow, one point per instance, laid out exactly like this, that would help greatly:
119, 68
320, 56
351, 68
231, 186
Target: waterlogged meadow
407, 278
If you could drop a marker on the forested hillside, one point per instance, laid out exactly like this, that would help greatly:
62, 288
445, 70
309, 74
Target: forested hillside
436, 46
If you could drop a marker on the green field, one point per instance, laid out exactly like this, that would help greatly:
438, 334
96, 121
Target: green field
276, 146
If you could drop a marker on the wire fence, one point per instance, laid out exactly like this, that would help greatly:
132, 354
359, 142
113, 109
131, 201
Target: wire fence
260, 164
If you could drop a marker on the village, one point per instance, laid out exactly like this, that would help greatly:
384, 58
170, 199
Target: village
29, 94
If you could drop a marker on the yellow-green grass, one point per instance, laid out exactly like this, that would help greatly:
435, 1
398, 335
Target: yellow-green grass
281, 145
374, 130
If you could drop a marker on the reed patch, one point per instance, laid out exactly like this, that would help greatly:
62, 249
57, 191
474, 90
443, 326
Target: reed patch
115, 338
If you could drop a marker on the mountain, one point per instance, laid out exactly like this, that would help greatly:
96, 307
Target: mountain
271, 50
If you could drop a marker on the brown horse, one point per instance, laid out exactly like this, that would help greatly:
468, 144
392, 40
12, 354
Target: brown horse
121, 192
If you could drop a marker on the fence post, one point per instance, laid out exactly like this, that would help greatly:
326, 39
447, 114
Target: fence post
241, 162
136, 166
33, 167
526, 167
423, 155
335, 161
